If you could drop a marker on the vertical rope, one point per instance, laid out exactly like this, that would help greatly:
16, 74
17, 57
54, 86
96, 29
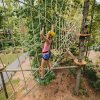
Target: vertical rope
56, 24
59, 31
32, 19
52, 18
39, 17
51, 10
45, 16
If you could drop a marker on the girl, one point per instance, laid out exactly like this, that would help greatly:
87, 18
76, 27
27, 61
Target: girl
46, 49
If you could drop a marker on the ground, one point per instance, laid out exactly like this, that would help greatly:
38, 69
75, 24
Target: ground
94, 56
59, 89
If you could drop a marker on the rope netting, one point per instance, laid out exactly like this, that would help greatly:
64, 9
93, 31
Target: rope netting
67, 27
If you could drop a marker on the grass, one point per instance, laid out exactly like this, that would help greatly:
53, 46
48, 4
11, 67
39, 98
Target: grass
9, 90
8, 58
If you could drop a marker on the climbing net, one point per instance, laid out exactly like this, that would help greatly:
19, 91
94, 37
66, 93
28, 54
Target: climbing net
67, 24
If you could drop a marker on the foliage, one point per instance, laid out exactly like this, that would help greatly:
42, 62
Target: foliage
74, 49
96, 26
93, 79
48, 78
9, 90
83, 91
1, 18
31, 52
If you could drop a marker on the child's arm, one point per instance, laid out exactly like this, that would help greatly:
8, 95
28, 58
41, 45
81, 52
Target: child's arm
43, 37
42, 31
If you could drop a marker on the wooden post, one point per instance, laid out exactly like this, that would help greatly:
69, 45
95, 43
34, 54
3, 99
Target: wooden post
3, 83
4, 86
81, 46
78, 80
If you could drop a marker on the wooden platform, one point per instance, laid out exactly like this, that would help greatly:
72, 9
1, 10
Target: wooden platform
83, 35
82, 63
1, 67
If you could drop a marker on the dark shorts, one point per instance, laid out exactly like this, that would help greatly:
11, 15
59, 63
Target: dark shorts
46, 56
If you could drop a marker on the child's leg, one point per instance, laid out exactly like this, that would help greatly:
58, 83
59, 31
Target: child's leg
49, 64
43, 63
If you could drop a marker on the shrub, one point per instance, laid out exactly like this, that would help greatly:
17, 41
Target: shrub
92, 77
74, 50
48, 78
31, 52
91, 74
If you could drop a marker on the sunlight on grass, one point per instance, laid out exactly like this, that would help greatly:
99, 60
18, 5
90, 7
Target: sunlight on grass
8, 58
9, 90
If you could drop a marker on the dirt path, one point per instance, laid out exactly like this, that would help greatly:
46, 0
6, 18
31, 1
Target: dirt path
94, 56
25, 65
19, 76
60, 89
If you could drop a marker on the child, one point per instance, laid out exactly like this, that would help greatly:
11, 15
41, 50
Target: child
46, 49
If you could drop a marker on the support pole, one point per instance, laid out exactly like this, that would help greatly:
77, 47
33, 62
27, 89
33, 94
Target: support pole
81, 46
78, 78
3, 83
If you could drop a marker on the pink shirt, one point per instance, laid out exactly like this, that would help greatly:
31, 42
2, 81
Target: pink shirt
46, 47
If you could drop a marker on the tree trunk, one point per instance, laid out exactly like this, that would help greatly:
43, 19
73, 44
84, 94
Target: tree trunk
81, 45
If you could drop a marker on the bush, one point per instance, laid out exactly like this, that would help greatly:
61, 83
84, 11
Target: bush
37, 48
48, 78
16, 50
91, 74
74, 50
95, 84
35, 64
92, 77
31, 52
7, 51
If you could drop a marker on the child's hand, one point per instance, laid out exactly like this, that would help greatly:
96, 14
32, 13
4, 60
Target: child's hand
41, 33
